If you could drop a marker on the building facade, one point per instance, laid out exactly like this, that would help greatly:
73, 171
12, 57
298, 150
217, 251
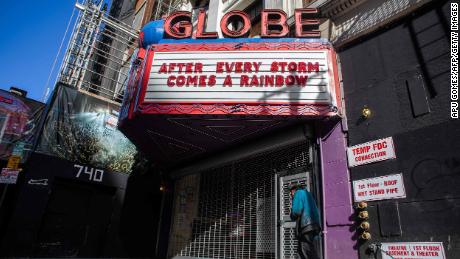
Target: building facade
227, 164
19, 122
400, 70
227, 128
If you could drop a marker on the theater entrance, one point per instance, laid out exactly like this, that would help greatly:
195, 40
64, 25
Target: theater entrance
241, 209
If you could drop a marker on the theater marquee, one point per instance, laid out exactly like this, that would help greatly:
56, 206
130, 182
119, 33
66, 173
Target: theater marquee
240, 76
266, 78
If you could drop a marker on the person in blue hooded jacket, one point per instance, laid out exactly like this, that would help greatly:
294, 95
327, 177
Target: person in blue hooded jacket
308, 225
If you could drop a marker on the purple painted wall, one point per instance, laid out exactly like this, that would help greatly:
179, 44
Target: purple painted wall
337, 202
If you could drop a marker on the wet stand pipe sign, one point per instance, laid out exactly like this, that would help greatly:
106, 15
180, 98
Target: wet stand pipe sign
379, 188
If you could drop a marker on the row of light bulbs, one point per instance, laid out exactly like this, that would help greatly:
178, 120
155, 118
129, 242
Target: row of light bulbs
364, 226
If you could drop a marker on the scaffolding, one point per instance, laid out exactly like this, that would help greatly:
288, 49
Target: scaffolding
98, 54
166, 7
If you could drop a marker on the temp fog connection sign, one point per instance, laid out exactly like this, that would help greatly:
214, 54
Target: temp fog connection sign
271, 77
370, 152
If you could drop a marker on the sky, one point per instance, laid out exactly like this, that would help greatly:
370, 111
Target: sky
31, 33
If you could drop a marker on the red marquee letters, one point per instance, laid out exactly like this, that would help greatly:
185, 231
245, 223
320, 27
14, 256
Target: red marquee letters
303, 19
274, 24
178, 25
200, 30
271, 20
235, 16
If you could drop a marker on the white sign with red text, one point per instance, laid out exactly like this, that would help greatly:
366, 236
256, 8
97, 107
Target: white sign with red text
9, 176
412, 250
370, 152
281, 76
379, 188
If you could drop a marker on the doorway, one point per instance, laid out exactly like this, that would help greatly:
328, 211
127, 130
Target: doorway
231, 211
76, 220
287, 245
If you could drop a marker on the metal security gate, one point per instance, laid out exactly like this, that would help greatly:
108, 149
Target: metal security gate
231, 211
288, 241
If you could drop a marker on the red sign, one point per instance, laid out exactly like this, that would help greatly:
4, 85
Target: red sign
191, 74
412, 250
379, 188
370, 152
273, 24
291, 78
9, 176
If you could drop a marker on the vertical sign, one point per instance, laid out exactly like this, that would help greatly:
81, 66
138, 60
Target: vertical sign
379, 188
370, 152
419, 250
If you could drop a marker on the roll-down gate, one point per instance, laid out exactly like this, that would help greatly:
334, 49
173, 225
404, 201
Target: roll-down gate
239, 210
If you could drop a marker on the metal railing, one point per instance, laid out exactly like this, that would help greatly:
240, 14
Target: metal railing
166, 7
98, 53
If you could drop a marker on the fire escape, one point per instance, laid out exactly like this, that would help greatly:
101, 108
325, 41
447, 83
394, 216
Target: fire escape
97, 58
166, 7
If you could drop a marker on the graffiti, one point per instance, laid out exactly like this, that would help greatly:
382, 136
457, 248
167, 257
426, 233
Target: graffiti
43, 182
431, 173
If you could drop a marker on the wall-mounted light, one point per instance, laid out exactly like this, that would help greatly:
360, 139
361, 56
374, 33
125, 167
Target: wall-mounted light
366, 113
363, 214
364, 225
365, 235
362, 205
